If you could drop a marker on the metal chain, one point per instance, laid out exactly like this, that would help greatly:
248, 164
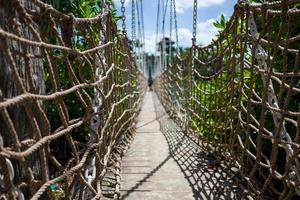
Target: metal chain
143, 37
191, 70
195, 22
164, 12
105, 6
138, 38
157, 48
133, 36
123, 18
90, 170
14, 190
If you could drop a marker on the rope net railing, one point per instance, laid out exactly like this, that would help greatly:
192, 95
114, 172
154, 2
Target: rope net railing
69, 96
239, 96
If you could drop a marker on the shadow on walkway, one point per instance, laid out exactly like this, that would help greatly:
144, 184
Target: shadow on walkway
149, 171
206, 180
145, 179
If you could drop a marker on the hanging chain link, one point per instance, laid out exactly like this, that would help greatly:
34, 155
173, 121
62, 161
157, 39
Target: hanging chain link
15, 190
191, 70
195, 22
133, 36
123, 18
90, 170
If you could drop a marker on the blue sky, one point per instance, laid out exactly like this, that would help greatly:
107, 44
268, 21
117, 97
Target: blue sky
208, 12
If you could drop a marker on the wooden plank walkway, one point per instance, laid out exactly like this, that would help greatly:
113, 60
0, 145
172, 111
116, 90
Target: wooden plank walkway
163, 164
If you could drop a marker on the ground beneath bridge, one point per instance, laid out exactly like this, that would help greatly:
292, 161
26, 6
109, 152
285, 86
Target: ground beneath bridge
163, 164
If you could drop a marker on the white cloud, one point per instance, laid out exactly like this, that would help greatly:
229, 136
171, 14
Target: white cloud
185, 37
181, 5
185, 4
150, 43
206, 32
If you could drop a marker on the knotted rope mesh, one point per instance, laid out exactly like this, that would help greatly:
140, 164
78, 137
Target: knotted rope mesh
244, 101
69, 95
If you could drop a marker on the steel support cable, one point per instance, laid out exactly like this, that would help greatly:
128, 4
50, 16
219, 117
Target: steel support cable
167, 86
170, 54
142, 21
157, 48
143, 37
176, 26
180, 75
139, 37
133, 27
142, 18
171, 24
162, 63
164, 13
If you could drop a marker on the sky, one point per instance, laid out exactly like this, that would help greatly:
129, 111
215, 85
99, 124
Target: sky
208, 12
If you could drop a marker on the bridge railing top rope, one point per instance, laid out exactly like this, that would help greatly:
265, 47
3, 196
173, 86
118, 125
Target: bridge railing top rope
69, 94
239, 96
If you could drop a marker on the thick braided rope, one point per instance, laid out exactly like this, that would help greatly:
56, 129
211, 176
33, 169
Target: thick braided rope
69, 101
245, 96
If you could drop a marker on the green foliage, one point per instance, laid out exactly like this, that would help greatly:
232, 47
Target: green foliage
220, 23
212, 121
81, 8
64, 6
86, 8
75, 109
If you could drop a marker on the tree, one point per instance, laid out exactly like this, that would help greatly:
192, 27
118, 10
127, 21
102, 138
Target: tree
26, 119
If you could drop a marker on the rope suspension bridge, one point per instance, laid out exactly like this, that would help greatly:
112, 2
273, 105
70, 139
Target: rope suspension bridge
223, 121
